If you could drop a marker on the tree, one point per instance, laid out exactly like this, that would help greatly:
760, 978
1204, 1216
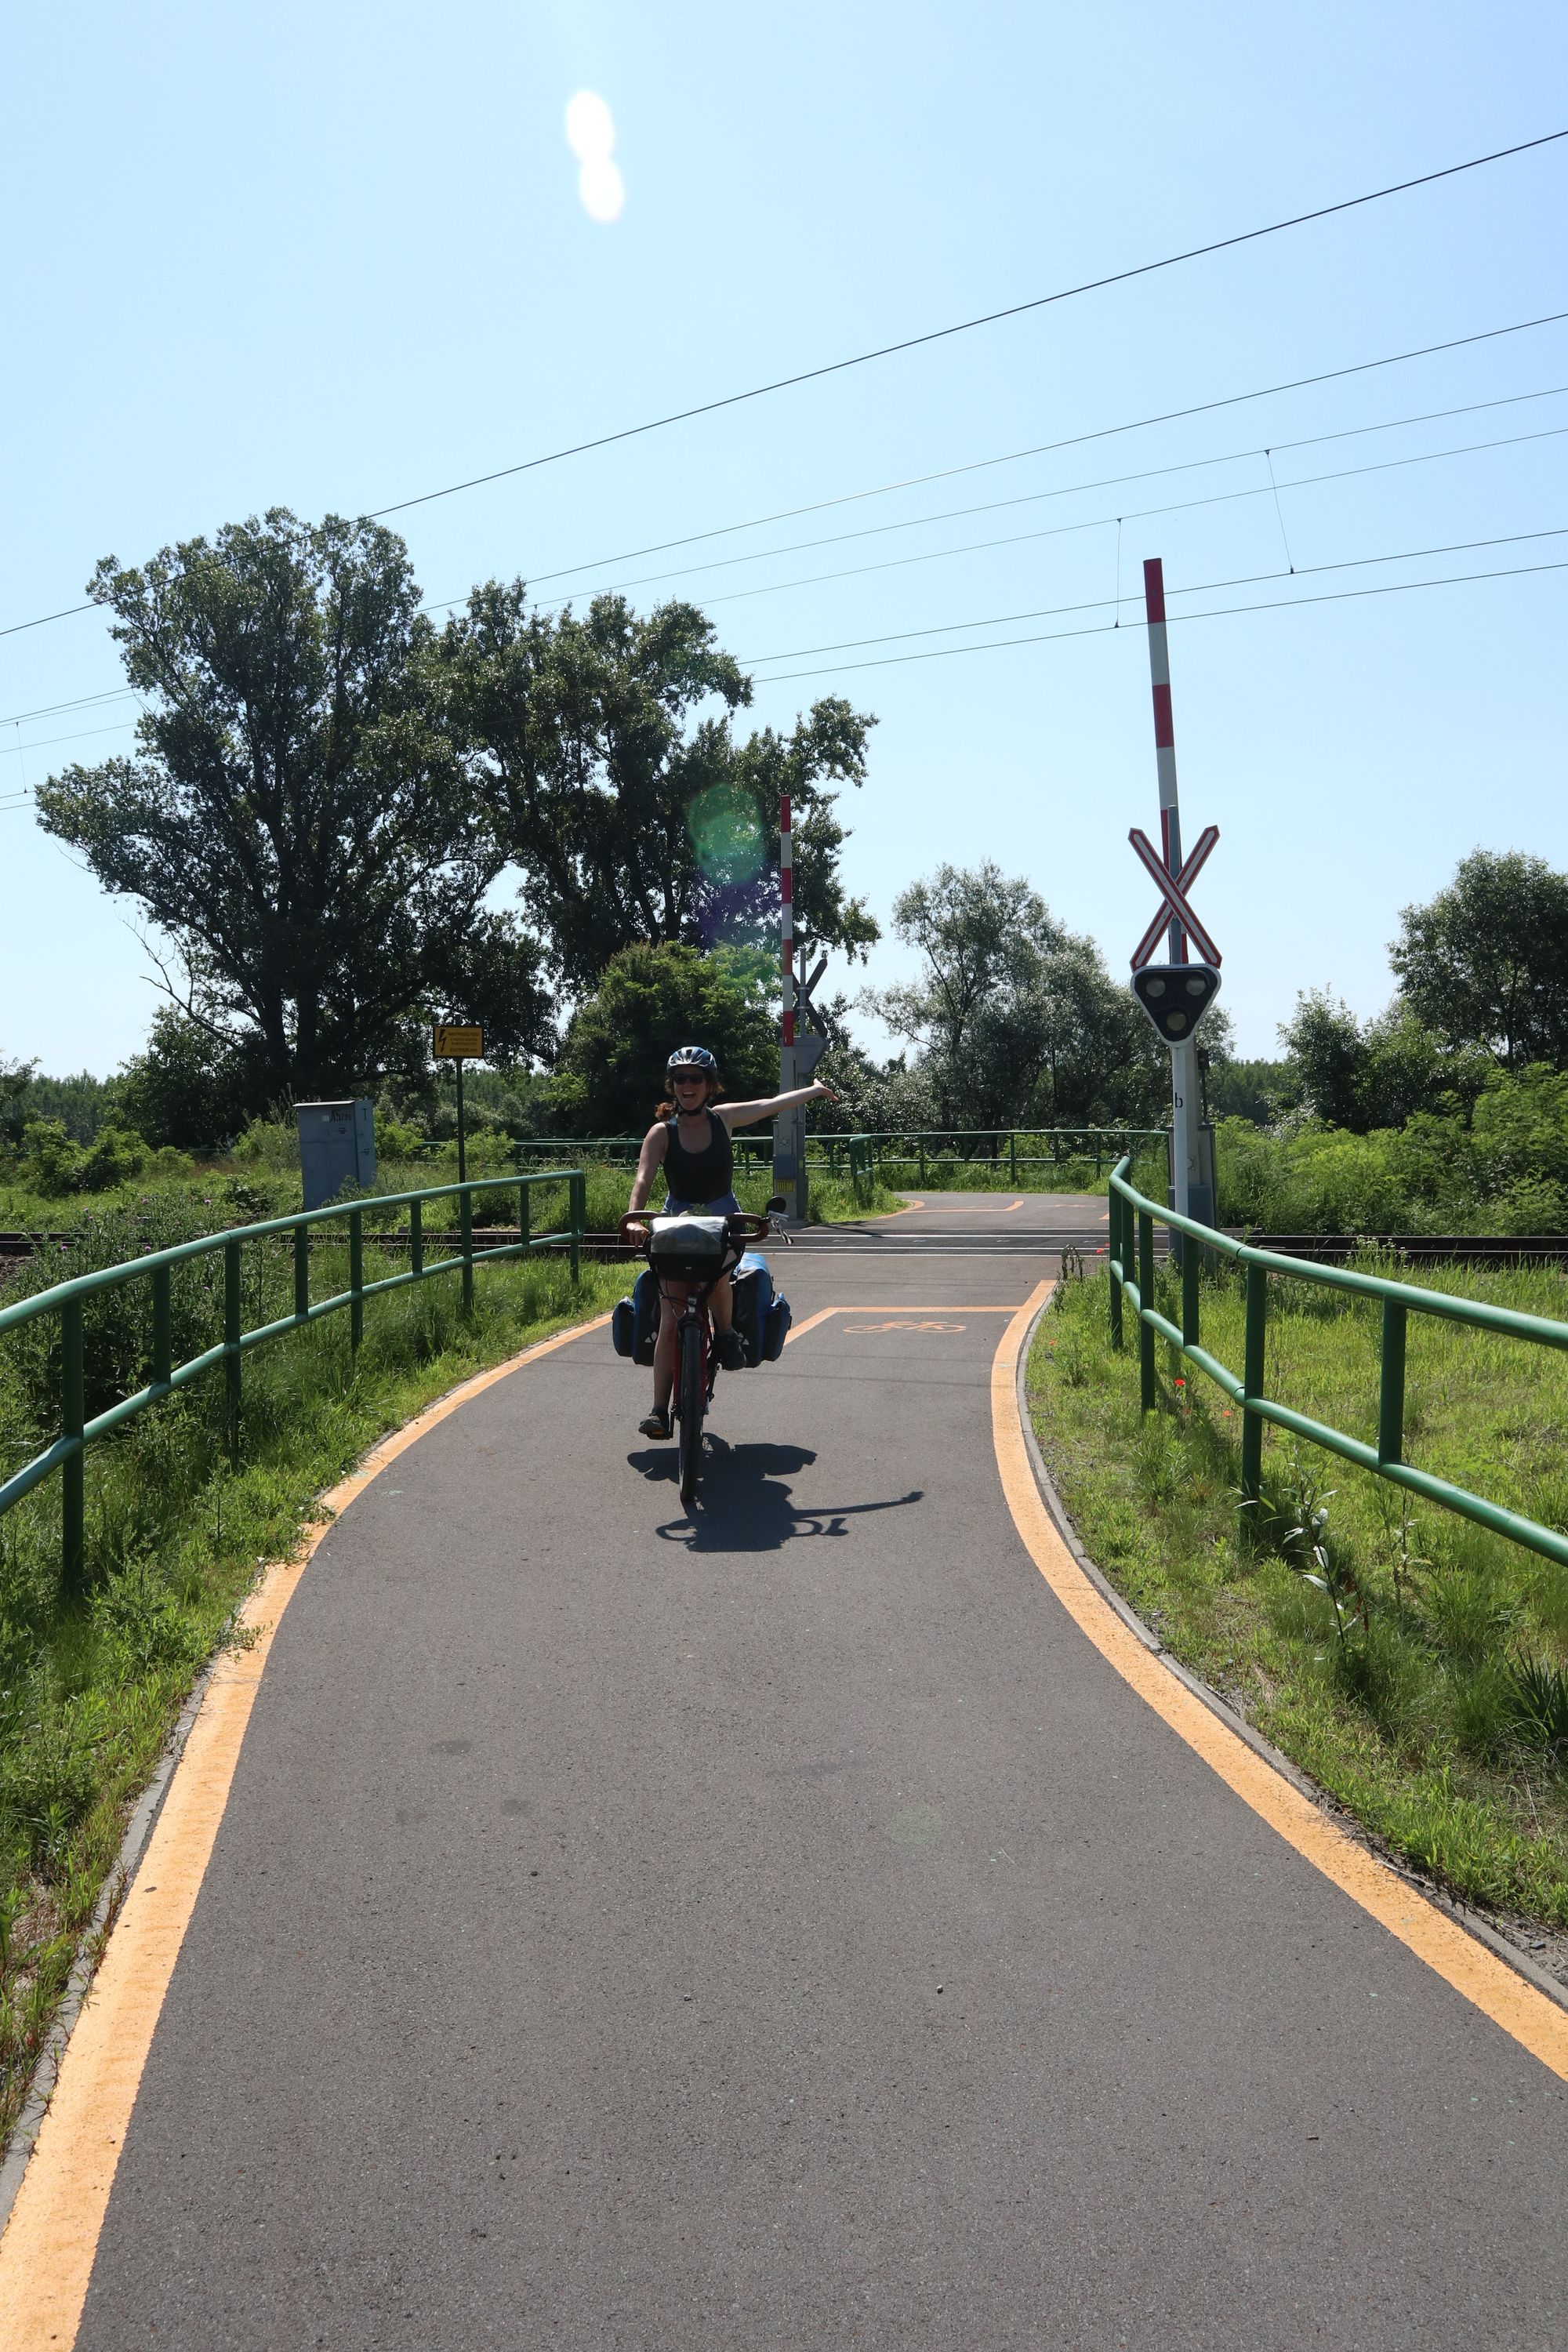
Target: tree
631, 817
187, 1087
296, 821
1486, 961
1328, 1055
649, 1000
1376, 1074
1014, 1018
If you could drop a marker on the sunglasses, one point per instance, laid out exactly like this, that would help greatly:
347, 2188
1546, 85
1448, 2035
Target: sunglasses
692, 1079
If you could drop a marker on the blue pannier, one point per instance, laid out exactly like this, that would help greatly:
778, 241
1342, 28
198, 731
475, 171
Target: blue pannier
633, 1321
775, 1330
762, 1316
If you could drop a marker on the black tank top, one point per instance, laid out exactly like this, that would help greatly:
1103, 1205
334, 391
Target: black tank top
705, 1175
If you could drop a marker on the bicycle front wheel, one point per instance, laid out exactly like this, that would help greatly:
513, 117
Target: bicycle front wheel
692, 1405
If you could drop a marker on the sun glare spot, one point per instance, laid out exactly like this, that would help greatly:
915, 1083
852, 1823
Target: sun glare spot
590, 128
602, 189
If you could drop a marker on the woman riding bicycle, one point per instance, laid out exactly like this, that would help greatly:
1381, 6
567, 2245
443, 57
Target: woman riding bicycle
690, 1139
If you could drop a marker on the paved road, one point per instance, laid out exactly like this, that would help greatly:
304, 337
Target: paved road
784, 1930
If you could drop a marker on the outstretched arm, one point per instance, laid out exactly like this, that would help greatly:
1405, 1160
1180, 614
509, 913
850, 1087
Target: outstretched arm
747, 1114
655, 1144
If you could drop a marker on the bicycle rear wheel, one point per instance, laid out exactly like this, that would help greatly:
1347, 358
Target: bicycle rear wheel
692, 1402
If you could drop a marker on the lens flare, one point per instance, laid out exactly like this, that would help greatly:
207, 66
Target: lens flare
726, 835
590, 128
602, 189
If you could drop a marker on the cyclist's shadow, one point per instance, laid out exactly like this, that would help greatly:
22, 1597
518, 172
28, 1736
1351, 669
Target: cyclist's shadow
743, 1503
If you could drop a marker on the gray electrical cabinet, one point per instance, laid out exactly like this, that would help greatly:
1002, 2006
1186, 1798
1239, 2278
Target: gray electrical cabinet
337, 1147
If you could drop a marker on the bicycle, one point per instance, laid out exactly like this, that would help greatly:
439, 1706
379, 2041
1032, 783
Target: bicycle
697, 1252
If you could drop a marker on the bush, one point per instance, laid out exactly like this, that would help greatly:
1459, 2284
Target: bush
51, 1162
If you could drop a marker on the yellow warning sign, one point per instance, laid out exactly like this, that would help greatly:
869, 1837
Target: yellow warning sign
457, 1041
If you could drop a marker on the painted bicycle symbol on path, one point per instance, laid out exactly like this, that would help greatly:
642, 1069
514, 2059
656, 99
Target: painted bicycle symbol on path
903, 1325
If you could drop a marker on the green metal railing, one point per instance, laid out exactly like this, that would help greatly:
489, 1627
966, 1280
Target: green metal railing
945, 1149
1132, 1221
67, 1300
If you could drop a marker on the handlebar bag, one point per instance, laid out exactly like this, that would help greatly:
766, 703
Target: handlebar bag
688, 1248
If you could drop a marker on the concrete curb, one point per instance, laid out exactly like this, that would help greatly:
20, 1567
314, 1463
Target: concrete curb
1496, 1939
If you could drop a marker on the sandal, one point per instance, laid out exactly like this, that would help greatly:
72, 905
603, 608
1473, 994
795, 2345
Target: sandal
655, 1424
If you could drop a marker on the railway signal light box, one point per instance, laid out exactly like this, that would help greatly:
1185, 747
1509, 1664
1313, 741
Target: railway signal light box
1176, 996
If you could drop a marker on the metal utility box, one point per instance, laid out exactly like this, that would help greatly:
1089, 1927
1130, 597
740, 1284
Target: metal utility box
337, 1147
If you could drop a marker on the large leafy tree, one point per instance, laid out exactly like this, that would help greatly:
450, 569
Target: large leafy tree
1486, 961
296, 821
1014, 1018
649, 1000
603, 752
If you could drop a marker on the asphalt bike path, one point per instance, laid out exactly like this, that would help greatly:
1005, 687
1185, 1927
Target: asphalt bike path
782, 1929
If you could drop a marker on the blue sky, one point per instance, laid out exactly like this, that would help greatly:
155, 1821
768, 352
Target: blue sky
334, 257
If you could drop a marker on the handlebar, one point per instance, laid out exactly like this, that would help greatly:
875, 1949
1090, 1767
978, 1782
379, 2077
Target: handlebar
744, 1226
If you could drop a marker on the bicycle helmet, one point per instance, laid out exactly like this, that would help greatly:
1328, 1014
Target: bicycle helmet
691, 1057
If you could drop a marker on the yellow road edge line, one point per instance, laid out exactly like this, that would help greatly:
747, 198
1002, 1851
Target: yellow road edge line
1529, 2016
51, 2240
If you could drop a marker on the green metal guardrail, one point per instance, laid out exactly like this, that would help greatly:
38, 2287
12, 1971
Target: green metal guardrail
1132, 1220
958, 1147
861, 1154
66, 1299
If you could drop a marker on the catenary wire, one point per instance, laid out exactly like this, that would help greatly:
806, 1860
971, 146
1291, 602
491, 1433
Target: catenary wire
1067, 490
1223, 612
1100, 522
985, 319
1048, 448
976, 464
933, 335
1097, 603
1198, 588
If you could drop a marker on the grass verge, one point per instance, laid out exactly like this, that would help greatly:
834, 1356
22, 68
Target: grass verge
1416, 1666
89, 1693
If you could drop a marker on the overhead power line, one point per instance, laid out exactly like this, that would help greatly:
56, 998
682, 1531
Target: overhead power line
1223, 612
972, 466
1049, 448
1068, 489
1198, 588
967, 326
1134, 514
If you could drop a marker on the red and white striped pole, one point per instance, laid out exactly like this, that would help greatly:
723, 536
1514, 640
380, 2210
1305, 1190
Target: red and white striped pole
787, 1172
1185, 1170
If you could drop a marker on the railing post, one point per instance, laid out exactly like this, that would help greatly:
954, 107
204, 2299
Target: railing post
233, 1325
416, 1238
922, 1145
466, 1229
525, 1218
1147, 1392
163, 1326
1390, 1384
73, 1470
1192, 1260
1013, 1156
577, 1194
356, 1279
1113, 1252
301, 1273
1252, 1372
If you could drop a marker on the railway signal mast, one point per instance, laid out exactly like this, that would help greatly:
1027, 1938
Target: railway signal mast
1176, 995
801, 1047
